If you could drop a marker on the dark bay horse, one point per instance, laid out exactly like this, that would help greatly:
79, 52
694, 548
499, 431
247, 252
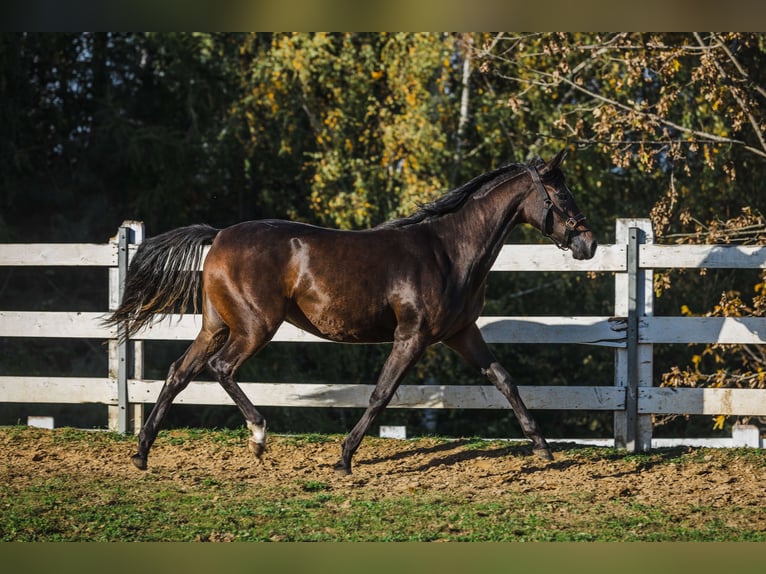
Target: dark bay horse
414, 281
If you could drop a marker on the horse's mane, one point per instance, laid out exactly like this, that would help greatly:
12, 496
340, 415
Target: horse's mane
453, 200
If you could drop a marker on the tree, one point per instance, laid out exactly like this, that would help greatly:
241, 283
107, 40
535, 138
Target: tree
683, 113
102, 127
359, 122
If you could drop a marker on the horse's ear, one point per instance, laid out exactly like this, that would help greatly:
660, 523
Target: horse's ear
557, 160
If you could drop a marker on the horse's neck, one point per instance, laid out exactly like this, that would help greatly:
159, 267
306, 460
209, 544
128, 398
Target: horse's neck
474, 235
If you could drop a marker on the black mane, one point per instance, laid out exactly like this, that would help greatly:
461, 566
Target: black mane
453, 200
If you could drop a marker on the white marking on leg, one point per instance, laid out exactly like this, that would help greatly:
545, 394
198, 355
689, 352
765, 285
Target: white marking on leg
259, 432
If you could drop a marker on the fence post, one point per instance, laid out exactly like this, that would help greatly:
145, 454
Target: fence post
634, 298
125, 356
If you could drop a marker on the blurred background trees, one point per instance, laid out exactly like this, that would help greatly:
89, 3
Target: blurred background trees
348, 130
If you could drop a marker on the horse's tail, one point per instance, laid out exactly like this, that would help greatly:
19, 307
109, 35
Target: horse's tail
162, 278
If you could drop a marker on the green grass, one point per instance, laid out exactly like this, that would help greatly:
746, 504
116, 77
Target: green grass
55, 509
311, 438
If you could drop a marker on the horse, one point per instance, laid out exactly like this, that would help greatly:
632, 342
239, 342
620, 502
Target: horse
413, 282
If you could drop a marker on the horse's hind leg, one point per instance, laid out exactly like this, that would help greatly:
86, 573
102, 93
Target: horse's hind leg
472, 347
181, 372
224, 364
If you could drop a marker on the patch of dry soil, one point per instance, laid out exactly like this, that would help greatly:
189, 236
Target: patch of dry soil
672, 479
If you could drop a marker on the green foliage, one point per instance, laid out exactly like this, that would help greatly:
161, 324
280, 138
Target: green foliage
358, 118
106, 127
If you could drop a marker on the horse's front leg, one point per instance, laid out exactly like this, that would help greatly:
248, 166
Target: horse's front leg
403, 356
471, 346
502, 380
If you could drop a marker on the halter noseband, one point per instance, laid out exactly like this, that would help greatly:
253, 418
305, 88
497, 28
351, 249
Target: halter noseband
570, 222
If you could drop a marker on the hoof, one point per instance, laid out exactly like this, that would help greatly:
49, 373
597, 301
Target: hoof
342, 469
139, 461
257, 448
543, 453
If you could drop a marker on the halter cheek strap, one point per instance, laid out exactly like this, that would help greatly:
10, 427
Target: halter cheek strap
571, 222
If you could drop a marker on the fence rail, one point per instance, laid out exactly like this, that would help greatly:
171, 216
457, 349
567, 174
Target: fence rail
631, 332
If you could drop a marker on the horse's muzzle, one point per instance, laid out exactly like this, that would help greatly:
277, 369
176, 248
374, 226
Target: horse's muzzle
584, 245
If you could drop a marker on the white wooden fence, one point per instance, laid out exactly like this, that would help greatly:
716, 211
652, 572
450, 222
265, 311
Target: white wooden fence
631, 331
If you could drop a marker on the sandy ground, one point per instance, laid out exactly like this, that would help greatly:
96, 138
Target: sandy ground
680, 477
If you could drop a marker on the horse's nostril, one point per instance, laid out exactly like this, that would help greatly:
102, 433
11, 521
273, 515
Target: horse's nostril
585, 248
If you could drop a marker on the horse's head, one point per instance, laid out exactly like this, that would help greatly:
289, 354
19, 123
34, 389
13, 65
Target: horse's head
551, 208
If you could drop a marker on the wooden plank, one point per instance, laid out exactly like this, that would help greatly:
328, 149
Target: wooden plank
53, 324
702, 401
606, 331
58, 390
407, 396
525, 257
58, 254
603, 331
749, 330
513, 257
186, 327
72, 390
703, 256
652, 400
694, 401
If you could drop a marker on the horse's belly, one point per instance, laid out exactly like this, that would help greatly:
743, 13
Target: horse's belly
349, 327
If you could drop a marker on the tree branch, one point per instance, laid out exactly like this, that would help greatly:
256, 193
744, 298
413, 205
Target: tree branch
743, 106
545, 79
619, 105
736, 64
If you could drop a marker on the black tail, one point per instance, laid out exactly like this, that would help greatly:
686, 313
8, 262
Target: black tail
161, 277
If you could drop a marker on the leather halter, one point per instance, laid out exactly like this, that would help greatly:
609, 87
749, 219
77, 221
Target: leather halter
570, 222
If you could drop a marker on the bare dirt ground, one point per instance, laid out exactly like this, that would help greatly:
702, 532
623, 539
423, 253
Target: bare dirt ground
480, 471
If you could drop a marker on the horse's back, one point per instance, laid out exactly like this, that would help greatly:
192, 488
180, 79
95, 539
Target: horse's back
342, 285
290, 242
